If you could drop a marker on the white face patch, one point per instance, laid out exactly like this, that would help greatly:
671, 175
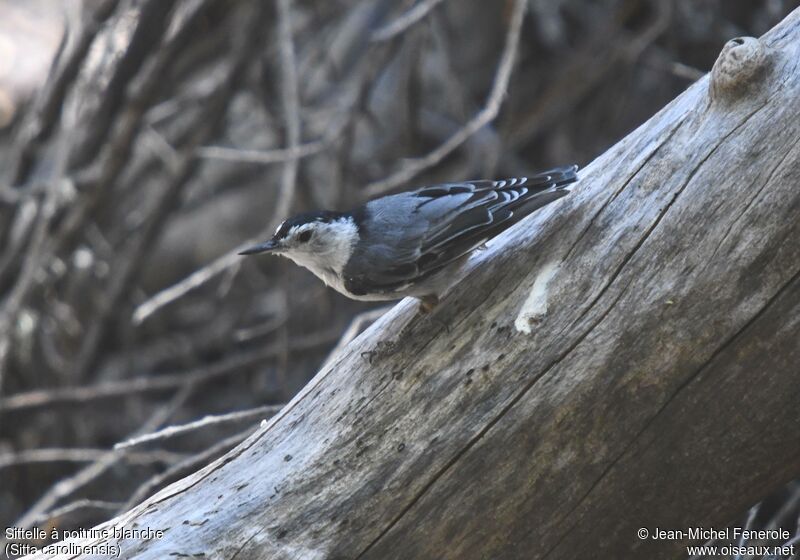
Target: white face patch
327, 251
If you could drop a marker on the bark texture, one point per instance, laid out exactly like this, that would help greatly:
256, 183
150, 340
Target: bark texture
625, 358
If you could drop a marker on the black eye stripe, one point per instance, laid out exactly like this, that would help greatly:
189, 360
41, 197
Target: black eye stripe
290, 226
282, 230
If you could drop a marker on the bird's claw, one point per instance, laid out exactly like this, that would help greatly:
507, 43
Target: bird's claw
427, 304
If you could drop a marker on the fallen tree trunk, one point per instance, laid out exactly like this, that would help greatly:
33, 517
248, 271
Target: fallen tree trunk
624, 359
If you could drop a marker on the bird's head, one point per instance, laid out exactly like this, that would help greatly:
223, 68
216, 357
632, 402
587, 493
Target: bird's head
316, 240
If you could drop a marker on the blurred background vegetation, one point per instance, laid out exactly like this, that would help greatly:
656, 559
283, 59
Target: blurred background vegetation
143, 141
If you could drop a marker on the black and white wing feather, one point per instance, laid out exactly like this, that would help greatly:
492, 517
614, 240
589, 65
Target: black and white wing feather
413, 235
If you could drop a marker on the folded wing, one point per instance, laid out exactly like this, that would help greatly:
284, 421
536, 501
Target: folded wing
442, 223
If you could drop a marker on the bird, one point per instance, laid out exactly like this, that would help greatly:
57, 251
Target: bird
411, 243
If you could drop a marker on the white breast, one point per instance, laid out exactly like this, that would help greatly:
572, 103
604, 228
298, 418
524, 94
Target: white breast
334, 280
328, 259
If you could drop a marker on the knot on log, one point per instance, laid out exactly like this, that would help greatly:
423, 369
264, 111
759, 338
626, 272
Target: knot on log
740, 64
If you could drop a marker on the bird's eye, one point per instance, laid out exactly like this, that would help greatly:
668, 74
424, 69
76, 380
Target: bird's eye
304, 236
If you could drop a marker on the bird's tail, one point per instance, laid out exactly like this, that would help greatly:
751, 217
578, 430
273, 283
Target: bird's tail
557, 178
544, 188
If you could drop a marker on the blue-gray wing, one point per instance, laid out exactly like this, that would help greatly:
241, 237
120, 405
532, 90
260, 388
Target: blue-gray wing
415, 234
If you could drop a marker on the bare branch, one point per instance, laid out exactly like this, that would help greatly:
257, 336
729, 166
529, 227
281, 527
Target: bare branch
484, 117
73, 507
72, 484
236, 364
205, 422
262, 156
291, 106
407, 20
82, 456
185, 467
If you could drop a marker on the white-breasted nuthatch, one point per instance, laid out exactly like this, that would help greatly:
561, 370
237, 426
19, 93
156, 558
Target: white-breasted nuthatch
409, 244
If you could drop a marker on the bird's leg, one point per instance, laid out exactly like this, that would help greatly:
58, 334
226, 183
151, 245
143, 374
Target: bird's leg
427, 303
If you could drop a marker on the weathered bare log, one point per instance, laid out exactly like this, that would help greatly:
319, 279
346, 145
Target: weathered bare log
624, 359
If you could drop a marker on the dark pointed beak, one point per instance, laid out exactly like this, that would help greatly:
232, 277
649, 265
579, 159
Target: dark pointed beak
262, 248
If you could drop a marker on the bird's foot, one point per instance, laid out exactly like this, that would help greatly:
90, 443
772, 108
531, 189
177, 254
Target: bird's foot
428, 303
